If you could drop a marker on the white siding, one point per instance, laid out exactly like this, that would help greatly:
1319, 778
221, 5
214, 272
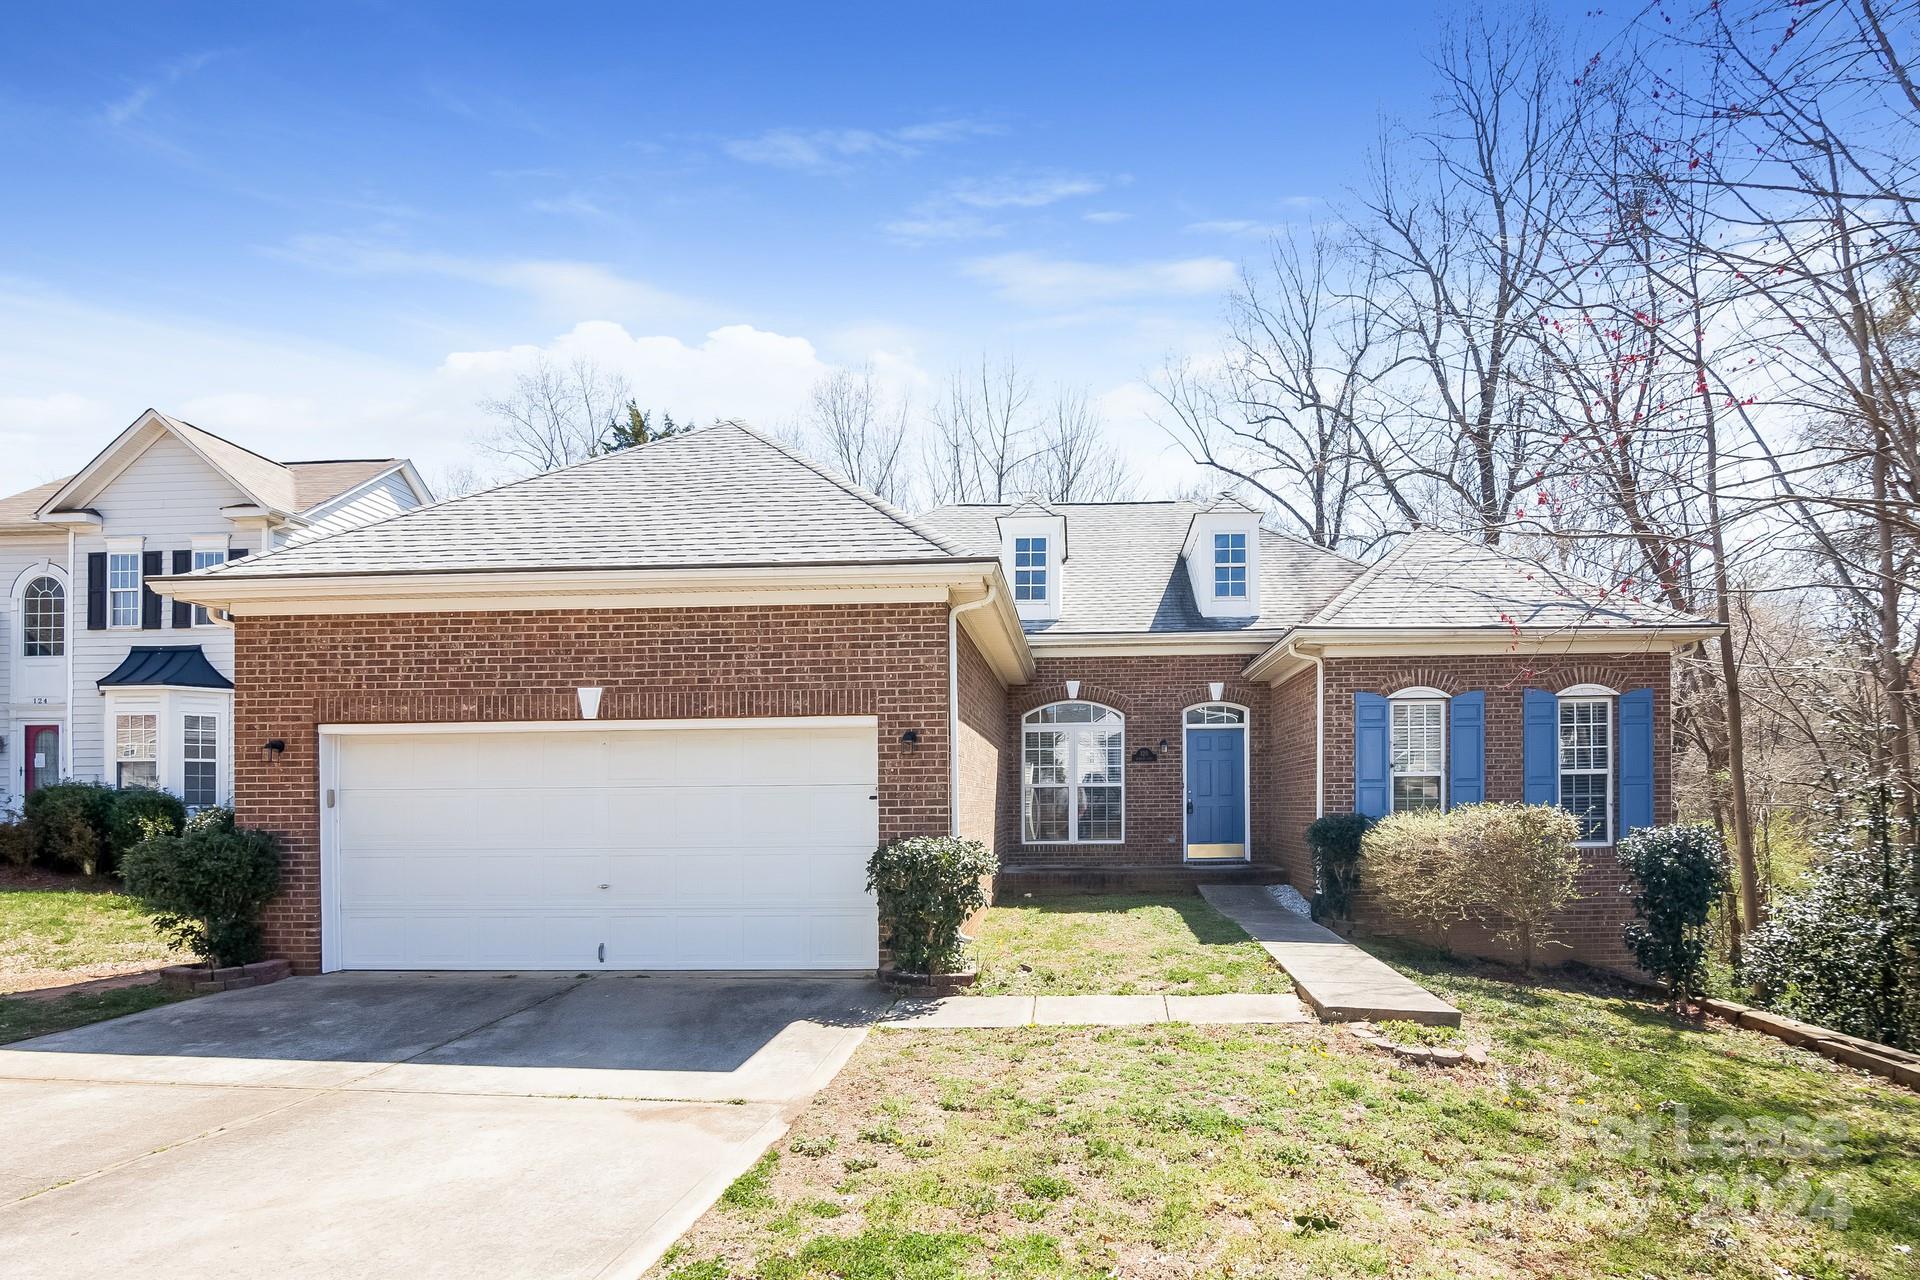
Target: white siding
168, 496
17, 555
387, 496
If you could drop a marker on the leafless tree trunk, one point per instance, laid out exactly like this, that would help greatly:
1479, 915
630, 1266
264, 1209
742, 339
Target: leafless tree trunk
853, 426
1075, 462
983, 441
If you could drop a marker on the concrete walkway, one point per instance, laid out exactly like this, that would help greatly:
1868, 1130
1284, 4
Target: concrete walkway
1341, 982
1091, 1011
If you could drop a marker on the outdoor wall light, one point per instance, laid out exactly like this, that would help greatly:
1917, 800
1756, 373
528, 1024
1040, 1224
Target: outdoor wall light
275, 746
911, 737
1163, 746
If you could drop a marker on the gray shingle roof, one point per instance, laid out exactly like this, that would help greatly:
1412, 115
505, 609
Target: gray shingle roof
1123, 573
1434, 579
17, 510
723, 495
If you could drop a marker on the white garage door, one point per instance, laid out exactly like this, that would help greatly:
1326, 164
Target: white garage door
682, 847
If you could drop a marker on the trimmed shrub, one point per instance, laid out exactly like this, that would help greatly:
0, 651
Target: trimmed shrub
139, 812
71, 822
1511, 867
1335, 841
928, 886
1414, 869
206, 885
1679, 874
1520, 868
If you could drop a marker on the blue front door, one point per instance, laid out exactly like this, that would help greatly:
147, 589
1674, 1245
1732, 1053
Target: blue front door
1216, 793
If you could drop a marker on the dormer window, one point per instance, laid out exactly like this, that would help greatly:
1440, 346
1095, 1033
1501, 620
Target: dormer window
1230, 566
1030, 570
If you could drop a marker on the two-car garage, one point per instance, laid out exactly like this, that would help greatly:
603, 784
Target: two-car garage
679, 844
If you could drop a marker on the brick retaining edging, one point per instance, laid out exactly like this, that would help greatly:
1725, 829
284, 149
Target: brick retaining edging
1896, 1065
200, 980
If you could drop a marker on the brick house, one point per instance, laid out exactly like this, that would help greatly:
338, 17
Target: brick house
653, 711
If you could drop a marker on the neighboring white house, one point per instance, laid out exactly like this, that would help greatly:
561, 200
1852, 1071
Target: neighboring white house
104, 680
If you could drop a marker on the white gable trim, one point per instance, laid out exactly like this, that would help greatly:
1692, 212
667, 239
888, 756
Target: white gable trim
122, 452
405, 467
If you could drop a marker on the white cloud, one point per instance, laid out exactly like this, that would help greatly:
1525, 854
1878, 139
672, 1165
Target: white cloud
1030, 191
1240, 228
1106, 217
1038, 281
561, 286
836, 150
929, 224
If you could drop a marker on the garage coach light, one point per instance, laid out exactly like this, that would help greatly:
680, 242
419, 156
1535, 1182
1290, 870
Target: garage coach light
911, 737
274, 746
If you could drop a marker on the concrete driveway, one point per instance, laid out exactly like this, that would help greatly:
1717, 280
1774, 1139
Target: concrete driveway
358, 1125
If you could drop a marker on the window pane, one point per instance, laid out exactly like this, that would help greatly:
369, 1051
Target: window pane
1417, 737
1416, 793
1216, 715
1073, 713
1585, 734
123, 589
137, 773
1097, 756
1045, 760
202, 560
43, 622
1585, 796
1046, 814
135, 737
1099, 817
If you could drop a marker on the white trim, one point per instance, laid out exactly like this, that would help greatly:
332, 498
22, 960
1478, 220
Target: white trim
1072, 785
1420, 693
592, 726
1282, 658
1587, 691
137, 548
1428, 697
327, 777
1608, 700
1156, 644
1245, 729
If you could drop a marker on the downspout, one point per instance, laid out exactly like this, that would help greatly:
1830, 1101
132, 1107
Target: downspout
1319, 728
953, 701
71, 639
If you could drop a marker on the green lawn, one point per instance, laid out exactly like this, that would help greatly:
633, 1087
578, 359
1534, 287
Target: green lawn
47, 935
1118, 944
22, 1018
1294, 1151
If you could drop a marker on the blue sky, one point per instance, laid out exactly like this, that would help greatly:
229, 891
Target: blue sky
328, 232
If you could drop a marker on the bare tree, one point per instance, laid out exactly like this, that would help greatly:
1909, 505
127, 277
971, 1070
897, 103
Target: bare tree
555, 415
853, 426
1466, 221
1277, 412
982, 438
1075, 462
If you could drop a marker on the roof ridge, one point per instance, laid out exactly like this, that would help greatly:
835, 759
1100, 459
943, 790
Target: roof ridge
1361, 580
873, 500
232, 444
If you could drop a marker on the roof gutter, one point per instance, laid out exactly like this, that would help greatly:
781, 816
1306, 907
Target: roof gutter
1288, 654
953, 698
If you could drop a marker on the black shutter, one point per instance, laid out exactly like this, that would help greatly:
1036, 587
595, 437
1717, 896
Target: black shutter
182, 611
96, 591
150, 567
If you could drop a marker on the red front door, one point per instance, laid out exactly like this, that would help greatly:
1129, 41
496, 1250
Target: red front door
43, 755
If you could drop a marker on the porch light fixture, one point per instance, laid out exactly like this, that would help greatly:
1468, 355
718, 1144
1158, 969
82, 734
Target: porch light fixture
589, 702
274, 746
1163, 746
911, 738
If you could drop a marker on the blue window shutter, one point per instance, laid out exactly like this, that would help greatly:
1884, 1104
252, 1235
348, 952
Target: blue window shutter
1540, 747
1371, 733
1636, 759
1467, 749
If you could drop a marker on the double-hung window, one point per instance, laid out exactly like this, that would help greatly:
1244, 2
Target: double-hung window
1072, 774
1418, 753
199, 761
1030, 569
136, 741
204, 558
1586, 765
1230, 565
123, 588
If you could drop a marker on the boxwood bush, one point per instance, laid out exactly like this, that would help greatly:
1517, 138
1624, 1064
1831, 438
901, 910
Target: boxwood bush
928, 886
206, 885
88, 826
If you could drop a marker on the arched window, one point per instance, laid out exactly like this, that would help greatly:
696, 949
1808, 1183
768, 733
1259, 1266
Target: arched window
43, 619
1072, 774
1216, 713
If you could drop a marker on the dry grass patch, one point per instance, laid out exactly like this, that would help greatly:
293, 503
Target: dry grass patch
1118, 944
1173, 1151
